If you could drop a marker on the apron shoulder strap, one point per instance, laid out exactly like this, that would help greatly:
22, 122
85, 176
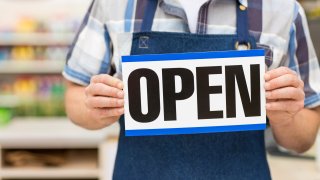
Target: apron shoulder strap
242, 21
242, 24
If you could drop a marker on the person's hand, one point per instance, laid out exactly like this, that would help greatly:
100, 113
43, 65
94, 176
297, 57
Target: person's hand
104, 99
284, 95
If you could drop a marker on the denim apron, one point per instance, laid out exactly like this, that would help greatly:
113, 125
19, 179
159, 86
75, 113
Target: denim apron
222, 156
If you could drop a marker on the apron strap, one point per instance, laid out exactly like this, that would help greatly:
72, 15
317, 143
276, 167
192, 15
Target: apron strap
242, 22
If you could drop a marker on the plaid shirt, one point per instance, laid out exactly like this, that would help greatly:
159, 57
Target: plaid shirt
279, 26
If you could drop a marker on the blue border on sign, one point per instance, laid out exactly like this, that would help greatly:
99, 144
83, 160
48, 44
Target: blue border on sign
195, 130
192, 56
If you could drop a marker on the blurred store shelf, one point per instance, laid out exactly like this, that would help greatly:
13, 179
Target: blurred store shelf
31, 66
54, 173
88, 154
75, 167
9, 101
51, 133
36, 39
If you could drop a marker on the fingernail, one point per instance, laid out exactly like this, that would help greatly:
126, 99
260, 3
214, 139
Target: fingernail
120, 94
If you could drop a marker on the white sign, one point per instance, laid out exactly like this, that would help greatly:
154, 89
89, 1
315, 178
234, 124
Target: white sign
191, 93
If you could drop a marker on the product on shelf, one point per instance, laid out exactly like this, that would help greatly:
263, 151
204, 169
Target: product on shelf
57, 23
22, 53
39, 158
39, 96
4, 53
5, 115
27, 25
33, 53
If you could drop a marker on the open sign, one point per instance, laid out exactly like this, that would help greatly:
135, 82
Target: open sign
191, 93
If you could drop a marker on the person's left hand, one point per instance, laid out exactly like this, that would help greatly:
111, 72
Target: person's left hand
284, 95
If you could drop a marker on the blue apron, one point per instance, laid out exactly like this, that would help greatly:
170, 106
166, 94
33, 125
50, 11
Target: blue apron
234, 156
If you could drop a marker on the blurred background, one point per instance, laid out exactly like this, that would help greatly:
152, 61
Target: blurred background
37, 141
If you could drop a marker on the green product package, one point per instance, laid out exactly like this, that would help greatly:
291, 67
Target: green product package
5, 116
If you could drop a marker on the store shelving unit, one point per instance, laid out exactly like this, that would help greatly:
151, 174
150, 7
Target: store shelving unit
31, 67
36, 39
52, 173
90, 153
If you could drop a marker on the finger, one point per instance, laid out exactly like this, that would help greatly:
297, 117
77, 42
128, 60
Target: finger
104, 102
289, 105
301, 84
278, 72
270, 100
108, 80
283, 81
99, 89
285, 93
108, 112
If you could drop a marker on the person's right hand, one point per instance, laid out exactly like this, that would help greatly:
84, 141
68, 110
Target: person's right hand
104, 99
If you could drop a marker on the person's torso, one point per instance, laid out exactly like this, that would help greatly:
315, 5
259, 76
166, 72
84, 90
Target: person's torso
233, 155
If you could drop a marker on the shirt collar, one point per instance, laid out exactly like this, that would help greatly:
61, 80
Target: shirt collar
175, 3
173, 7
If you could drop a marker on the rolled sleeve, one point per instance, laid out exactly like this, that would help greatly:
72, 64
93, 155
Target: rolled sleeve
303, 59
90, 53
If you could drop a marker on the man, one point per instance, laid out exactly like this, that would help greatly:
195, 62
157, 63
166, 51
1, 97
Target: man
94, 98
